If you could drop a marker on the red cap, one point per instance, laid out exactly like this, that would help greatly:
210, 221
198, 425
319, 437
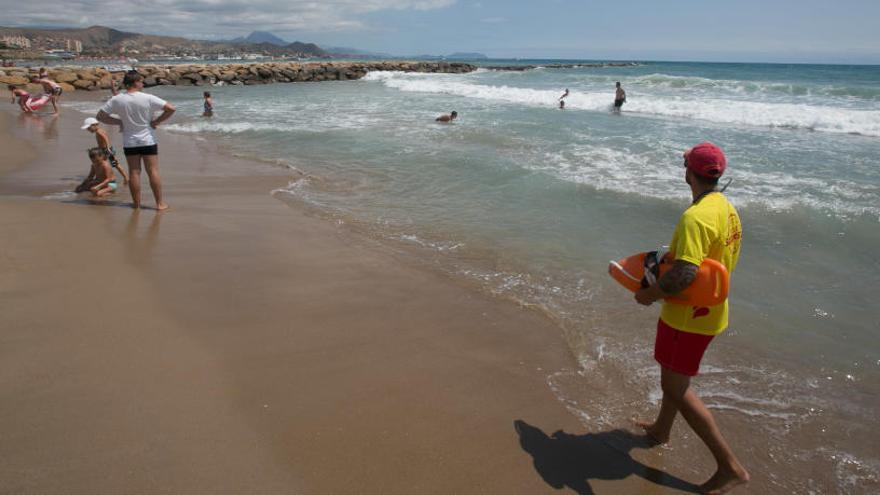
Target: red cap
706, 159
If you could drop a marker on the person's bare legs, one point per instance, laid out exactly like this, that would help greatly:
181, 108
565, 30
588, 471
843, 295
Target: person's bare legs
678, 396
151, 163
134, 179
661, 428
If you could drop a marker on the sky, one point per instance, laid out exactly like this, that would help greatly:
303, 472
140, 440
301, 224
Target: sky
842, 31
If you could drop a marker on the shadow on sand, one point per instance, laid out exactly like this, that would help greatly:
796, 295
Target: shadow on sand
566, 460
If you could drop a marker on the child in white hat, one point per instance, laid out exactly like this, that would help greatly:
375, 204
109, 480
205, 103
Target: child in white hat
92, 125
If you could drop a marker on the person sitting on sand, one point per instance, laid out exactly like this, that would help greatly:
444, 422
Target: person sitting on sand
100, 181
709, 229
51, 88
447, 118
208, 105
92, 125
619, 97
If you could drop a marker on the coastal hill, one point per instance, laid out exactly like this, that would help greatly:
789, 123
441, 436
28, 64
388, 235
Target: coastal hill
258, 37
105, 41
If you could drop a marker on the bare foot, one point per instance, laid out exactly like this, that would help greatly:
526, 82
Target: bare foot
162, 206
724, 480
136, 206
651, 430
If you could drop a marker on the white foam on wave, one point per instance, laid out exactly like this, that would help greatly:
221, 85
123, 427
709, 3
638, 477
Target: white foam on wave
317, 122
228, 127
725, 111
626, 171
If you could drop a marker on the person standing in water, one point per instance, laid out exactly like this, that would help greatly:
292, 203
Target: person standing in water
709, 228
619, 97
208, 105
51, 88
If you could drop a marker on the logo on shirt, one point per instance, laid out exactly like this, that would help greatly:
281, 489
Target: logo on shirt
734, 229
699, 311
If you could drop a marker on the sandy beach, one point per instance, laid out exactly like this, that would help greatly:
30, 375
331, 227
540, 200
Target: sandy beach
236, 345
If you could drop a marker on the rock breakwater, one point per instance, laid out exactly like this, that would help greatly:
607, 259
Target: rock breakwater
98, 78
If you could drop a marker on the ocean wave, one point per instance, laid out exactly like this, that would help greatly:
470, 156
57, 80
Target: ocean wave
804, 116
770, 88
625, 171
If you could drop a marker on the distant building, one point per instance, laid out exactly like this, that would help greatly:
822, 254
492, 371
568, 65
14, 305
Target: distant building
19, 41
74, 46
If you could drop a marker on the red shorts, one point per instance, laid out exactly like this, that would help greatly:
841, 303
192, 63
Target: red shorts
680, 351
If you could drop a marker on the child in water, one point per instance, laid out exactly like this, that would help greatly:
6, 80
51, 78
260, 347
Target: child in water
209, 105
447, 118
22, 96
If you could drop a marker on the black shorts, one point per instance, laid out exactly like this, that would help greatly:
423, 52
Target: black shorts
618, 103
142, 150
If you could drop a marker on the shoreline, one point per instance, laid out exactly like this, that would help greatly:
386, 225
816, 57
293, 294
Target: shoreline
253, 346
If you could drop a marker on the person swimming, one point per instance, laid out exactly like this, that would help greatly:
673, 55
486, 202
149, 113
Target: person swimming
447, 118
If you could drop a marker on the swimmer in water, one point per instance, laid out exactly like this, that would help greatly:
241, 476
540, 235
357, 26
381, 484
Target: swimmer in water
447, 118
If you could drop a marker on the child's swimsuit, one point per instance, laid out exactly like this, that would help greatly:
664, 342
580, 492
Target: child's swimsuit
110, 153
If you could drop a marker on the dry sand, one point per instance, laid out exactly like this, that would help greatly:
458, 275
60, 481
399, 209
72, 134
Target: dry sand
236, 345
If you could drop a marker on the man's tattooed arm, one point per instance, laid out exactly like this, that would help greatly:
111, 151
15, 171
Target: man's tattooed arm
678, 278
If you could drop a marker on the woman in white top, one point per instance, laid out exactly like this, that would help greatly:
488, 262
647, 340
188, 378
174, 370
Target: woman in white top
135, 111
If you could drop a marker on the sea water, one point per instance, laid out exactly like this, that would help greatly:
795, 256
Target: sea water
530, 202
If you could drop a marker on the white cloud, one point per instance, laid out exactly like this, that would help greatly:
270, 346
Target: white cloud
494, 20
209, 18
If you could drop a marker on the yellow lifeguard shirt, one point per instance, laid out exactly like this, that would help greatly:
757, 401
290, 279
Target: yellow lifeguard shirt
708, 229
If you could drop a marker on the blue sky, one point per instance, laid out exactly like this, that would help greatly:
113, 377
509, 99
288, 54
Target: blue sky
844, 31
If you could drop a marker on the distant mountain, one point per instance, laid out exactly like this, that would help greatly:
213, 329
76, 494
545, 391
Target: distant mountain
311, 48
100, 40
257, 37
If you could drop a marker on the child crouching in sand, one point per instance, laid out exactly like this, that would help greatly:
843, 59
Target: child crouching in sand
92, 125
101, 180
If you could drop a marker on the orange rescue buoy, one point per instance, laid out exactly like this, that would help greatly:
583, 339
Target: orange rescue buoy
708, 289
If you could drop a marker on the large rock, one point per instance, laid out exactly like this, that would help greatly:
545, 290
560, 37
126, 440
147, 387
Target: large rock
87, 75
16, 80
84, 84
65, 77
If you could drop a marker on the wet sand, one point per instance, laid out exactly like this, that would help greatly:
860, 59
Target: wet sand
236, 345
